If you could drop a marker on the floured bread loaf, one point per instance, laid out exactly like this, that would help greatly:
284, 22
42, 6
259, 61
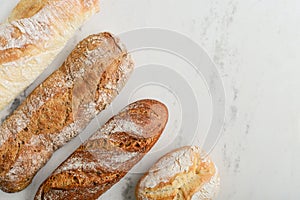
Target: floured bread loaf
182, 174
108, 154
35, 33
62, 106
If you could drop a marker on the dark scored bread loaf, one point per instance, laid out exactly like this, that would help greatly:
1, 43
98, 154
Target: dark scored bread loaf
61, 107
108, 154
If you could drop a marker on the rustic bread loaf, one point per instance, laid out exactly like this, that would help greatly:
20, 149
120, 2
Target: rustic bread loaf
108, 154
62, 106
182, 174
35, 33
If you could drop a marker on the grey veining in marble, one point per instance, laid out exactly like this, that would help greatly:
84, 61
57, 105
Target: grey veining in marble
255, 46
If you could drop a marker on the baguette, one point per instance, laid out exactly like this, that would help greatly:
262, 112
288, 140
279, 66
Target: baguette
183, 174
35, 33
61, 107
108, 154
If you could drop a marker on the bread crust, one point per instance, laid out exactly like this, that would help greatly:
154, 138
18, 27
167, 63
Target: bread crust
62, 106
35, 33
108, 154
183, 174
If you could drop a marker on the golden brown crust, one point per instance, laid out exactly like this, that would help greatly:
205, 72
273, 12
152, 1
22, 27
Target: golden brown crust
58, 109
35, 33
108, 155
182, 174
26, 9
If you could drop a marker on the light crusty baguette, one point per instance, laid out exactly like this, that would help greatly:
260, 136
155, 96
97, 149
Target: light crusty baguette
59, 108
182, 174
36, 32
108, 155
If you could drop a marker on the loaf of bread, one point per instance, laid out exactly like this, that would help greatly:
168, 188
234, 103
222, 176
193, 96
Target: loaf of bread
61, 107
34, 34
108, 154
182, 174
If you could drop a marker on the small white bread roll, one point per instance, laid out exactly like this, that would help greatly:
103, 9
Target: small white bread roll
183, 174
35, 33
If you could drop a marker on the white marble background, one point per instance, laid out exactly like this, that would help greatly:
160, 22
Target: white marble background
254, 44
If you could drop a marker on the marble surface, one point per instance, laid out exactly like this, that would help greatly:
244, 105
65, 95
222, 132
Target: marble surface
254, 45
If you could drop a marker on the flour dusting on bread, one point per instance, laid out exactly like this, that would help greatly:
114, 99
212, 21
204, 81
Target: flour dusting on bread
106, 157
28, 44
62, 106
183, 174
165, 169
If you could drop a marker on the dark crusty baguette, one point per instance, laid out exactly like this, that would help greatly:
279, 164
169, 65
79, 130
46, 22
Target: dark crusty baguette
62, 106
108, 155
